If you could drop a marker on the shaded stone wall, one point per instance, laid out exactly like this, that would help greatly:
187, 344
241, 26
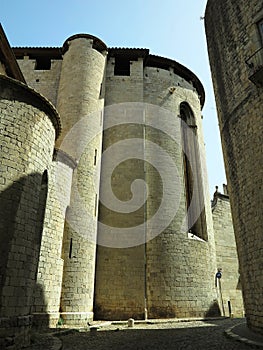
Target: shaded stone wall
226, 258
232, 38
47, 293
29, 125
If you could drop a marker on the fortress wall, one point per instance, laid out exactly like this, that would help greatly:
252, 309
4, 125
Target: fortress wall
232, 39
171, 271
45, 81
124, 88
29, 125
182, 284
121, 296
120, 272
80, 100
227, 259
180, 270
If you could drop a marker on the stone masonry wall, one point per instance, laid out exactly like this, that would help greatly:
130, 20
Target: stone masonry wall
126, 263
227, 260
120, 272
124, 88
29, 125
180, 270
44, 81
172, 275
232, 39
46, 303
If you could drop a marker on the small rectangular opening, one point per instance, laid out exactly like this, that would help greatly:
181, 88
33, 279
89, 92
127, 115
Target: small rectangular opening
70, 249
122, 66
43, 63
95, 157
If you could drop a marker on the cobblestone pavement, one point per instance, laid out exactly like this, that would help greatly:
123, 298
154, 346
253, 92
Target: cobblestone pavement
194, 335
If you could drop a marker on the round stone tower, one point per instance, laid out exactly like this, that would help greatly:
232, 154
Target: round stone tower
235, 46
80, 103
180, 261
157, 258
29, 126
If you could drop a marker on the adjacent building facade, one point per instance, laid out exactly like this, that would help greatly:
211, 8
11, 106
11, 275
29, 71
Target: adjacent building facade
235, 46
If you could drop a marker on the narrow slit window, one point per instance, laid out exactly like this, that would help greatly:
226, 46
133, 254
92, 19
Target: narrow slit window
101, 117
95, 208
70, 248
95, 157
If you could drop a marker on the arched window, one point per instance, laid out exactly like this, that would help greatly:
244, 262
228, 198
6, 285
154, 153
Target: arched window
192, 174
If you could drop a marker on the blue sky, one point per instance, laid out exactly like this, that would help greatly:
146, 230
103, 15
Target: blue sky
169, 28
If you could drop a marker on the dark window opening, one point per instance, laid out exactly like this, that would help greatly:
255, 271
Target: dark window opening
70, 248
95, 157
101, 117
44, 181
122, 66
43, 63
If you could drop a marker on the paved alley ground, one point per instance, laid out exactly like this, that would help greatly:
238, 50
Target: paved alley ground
203, 335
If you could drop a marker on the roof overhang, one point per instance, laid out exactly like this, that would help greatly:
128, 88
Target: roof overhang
8, 58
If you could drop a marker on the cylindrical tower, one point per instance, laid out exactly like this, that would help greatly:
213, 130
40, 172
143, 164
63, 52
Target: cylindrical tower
80, 103
169, 270
29, 125
235, 46
180, 261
